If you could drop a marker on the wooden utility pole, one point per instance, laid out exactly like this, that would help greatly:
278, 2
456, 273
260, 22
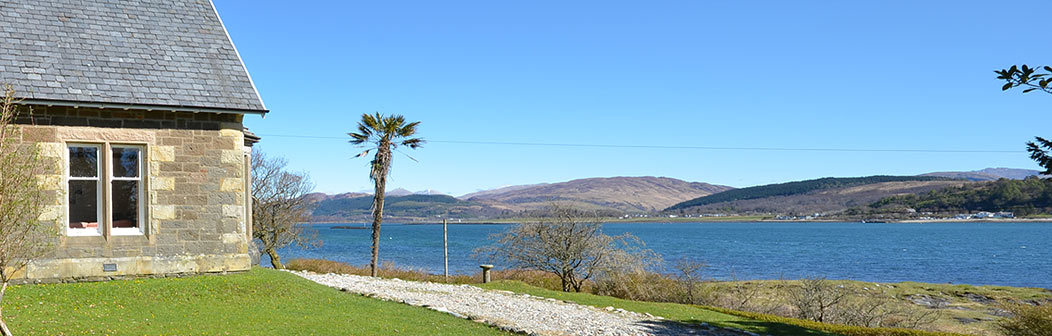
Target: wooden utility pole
445, 250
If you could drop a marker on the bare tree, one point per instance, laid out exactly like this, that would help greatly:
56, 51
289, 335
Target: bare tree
816, 299
563, 244
865, 312
741, 294
1026, 320
279, 206
23, 237
689, 274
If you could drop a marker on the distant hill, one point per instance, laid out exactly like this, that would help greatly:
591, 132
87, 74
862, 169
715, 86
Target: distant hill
616, 194
398, 192
828, 201
428, 192
1023, 197
819, 195
409, 207
500, 190
318, 197
989, 174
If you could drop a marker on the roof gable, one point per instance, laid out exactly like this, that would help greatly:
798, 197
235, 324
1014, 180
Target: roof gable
148, 52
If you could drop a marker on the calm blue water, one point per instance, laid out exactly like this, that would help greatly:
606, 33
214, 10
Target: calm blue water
1011, 254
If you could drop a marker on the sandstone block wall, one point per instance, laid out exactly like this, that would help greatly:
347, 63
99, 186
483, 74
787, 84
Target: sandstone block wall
194, 177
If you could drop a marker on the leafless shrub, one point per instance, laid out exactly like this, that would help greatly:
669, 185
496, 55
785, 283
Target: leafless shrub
745, 296
816, 298
820, 300
279, 206
536, 278
571, 246
914, 318
689, 274
867, 311
23, 236
1027, 320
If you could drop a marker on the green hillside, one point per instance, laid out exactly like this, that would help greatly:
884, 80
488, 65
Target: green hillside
1024, 197
796, 188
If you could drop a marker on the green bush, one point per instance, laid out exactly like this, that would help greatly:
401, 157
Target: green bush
642, 286
1028, 320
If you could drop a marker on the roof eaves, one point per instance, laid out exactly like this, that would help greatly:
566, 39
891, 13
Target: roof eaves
148, 107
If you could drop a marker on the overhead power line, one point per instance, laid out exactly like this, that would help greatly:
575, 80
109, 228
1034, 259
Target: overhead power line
782, 149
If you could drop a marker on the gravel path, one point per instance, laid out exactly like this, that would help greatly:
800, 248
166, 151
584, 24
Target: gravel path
521, 313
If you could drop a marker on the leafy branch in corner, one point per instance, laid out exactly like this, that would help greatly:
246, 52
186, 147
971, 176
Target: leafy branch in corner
1041, 155
1026, 76
1030, 78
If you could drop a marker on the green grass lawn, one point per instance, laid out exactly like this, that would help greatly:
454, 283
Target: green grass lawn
260, 302
672, 311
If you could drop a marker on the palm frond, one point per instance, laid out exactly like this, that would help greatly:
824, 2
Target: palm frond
413, 143
408, 130
358, 139
370, 121
390, 125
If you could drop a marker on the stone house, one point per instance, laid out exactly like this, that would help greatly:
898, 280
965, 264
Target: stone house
139, 106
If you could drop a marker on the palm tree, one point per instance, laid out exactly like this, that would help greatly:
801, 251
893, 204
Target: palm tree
385, 133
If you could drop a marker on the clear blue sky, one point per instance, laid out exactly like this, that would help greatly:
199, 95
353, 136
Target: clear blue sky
794, 74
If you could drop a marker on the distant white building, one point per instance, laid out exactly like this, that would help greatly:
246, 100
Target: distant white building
984, 214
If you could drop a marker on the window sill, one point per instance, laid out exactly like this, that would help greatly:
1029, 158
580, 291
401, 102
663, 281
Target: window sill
126, 232
83, 233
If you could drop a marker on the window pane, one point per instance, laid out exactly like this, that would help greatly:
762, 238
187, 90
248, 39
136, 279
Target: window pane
83, 161
83, 204
125, 162
125, 204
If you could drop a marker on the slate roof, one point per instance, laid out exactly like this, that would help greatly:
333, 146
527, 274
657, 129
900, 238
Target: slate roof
139, 52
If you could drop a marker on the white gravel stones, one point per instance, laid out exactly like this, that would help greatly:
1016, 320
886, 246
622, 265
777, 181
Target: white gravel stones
519, 313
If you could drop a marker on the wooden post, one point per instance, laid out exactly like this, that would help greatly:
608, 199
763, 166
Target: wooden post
445, 250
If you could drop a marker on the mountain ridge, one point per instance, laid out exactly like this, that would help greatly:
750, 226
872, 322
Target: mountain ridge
620, 193
648, 194
988, 174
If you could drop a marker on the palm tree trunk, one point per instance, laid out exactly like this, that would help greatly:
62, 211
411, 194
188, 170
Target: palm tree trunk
378, 214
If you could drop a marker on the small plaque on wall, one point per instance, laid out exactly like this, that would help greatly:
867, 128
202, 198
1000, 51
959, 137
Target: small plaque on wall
109, 267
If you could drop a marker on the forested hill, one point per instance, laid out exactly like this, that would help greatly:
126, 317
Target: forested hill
1024, 197
796, 188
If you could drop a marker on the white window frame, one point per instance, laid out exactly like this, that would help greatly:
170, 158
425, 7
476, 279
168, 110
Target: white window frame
138, 230
104, 190
97, 231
